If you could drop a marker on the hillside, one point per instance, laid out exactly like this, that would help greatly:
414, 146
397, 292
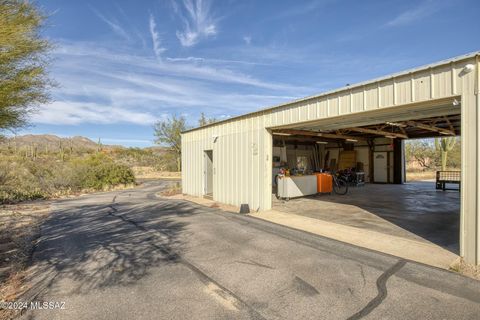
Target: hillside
50, 142
47, 146
46, 166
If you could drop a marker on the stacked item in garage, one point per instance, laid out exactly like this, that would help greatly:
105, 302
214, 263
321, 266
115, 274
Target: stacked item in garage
324, 183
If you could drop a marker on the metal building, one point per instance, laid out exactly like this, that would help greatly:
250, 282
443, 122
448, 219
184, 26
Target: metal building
231, 160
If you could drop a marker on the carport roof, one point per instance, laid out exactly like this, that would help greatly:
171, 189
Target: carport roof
448, 125
348, 87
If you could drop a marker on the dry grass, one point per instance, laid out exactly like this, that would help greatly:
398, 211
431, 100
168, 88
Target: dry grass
172, 190
19, 228
421, 175
9, 291
466, 269
152, 173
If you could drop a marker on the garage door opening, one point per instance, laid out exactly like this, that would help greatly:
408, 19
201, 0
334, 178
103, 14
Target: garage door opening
434, 158
383, 196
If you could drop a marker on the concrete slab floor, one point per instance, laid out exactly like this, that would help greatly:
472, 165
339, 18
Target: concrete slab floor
413, 210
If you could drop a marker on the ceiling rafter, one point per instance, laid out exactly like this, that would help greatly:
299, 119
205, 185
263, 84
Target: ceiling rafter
380, 132
449, 123
319, 134
310, 139
430, 128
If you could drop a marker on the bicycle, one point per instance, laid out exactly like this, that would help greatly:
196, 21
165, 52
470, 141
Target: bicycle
340, 186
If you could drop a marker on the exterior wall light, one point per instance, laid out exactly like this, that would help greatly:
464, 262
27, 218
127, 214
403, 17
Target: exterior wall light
468, 68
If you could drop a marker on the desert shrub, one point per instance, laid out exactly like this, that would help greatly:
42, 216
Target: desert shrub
99, 172
136, 156
167, 163
26, 179
18, 183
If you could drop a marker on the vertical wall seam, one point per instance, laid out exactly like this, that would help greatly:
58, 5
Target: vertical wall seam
394, 91
476, 90
412, 88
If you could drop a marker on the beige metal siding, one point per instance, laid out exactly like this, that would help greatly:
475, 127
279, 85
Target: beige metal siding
242, 152
237, 139
238, 156
403, 90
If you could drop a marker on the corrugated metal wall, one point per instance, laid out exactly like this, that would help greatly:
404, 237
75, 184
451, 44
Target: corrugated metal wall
242, 151
239, 157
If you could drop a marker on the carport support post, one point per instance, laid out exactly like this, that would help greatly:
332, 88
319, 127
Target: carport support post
470, 184
398, 161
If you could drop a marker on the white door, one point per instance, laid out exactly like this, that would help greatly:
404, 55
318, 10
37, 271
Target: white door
390, 167
208, 172
380, 167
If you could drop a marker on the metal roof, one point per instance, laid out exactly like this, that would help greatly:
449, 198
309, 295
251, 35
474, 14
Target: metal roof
348, 87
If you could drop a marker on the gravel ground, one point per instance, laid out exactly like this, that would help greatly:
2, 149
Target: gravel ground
19, 229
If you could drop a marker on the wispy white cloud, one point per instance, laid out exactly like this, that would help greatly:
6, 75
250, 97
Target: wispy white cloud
131, 26
296, 10
198, 21
206, 72
215, 61
247, 39
75, 112
186, 59
113, 24
156, 41
101, 86
422, 10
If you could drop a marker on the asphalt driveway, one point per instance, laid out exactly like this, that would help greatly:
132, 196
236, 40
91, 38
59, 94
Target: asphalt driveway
130, 255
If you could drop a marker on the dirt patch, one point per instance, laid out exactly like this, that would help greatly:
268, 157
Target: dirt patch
19, 229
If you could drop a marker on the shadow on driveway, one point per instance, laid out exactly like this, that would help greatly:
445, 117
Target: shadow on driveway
97, 246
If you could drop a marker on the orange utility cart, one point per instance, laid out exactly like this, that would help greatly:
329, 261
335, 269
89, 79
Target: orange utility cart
324, 183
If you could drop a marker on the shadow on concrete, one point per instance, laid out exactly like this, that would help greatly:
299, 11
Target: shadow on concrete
416, 207
97, 246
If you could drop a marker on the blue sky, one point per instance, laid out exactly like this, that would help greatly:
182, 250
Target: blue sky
122, 65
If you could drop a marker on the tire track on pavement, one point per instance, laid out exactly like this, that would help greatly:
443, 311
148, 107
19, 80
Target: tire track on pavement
382, 291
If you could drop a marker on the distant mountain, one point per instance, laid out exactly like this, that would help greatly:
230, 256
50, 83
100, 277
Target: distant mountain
51, 142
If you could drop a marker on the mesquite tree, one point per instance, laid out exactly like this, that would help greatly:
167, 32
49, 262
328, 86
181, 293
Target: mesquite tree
168, 132
24, 82
203, 121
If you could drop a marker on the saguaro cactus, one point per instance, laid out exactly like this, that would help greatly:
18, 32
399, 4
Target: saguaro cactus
444, 145
99, 145
34, 151
62, 151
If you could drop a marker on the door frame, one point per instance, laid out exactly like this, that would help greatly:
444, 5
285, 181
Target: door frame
387, 173
208, 159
